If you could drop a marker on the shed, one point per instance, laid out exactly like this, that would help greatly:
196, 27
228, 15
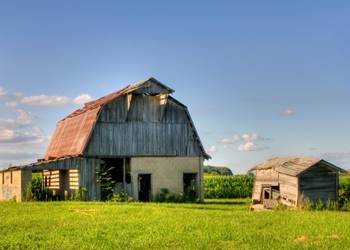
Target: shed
289, 180
144, 134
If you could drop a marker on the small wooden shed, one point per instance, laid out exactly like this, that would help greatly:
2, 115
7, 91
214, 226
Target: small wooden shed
289, 180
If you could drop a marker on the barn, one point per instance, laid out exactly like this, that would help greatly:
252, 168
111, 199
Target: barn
141, 132
289, 180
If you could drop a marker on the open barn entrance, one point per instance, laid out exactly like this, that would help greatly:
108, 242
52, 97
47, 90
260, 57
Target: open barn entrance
115, 177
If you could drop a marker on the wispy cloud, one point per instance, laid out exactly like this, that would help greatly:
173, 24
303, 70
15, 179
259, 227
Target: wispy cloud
288, 112
250, 142
212, 149
44, 100
83, 98
246, 142
251, 146
11, 104
2, 92
21, 140
15, 98
20, 129
55, 101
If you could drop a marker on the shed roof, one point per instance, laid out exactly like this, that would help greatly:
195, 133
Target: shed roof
294, 166
73, 132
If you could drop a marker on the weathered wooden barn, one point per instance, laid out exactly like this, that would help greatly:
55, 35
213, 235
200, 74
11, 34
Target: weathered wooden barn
289, 180
145, 134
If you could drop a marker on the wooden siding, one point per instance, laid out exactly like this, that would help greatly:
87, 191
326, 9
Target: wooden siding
288, 187
151, 127
319, 186
86, 167
51, 179
264, 177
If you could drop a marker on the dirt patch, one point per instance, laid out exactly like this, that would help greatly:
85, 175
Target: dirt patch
302, 238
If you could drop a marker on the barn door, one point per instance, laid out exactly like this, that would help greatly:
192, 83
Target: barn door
144, 187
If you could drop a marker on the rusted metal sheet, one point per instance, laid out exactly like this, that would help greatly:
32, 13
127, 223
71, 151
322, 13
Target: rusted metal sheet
72, 134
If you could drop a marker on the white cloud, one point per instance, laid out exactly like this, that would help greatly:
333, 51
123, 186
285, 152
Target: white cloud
232, 140
55, 101
247, 146
28, 136
248, 142
6, 134
212, 149
288, 112
251, 146
21, 141
83, 98
251, 137
11, 104
24, 117
2, 92
247, 137
44, 100
20, 129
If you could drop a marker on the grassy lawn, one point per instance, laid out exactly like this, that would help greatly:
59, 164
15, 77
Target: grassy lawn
218, 224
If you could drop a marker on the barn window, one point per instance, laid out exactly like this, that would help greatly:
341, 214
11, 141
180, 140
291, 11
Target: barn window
11, 177
74, 179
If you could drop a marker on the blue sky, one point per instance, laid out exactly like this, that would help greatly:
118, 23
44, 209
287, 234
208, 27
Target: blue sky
261, 78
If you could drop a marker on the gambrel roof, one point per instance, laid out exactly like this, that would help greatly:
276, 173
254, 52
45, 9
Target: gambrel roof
294, 166
74, 131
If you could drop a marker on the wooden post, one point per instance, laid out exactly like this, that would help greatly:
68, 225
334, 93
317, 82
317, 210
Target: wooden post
124, 178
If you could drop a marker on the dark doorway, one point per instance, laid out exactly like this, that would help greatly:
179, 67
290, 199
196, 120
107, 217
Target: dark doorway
267, 194
190, 185
144, 187
63, 184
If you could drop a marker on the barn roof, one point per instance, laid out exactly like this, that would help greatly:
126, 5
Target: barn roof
294, 166
73, 132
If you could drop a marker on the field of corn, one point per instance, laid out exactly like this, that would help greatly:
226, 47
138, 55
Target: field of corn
240, 186
236, 186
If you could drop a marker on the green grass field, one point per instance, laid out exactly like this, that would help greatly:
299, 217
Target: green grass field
218, 224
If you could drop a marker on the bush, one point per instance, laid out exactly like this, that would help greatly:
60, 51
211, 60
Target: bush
79, 195
120, 197
237, 186
104, 177
344, 194
217, 170
35, 191
166, 196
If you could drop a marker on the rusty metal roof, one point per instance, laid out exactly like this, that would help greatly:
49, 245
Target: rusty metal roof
293, 166
73, 132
